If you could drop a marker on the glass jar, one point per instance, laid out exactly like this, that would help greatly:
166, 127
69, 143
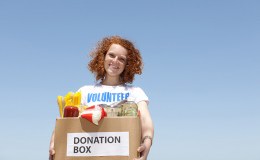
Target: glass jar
71, 111
129, 108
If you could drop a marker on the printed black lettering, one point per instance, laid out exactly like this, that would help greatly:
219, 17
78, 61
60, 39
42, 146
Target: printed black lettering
117, 139
76, 149
110, 139
88, 149
83, 140
76, 140
101, 139
90, 140
82, 149
96, 140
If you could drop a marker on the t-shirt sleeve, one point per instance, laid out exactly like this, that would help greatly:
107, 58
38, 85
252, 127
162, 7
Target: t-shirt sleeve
140, 95
83, 90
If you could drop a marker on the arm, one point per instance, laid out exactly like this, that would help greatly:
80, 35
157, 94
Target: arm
51, 148
147, 130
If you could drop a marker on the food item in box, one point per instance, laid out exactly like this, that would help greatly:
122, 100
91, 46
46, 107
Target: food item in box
71, 111
61, 104
114, 109
77, 99
94, 114
69, 105
69, 98
113, 112
129, 108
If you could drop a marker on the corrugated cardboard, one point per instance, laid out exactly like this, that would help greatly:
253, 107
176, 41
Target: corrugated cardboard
111, 124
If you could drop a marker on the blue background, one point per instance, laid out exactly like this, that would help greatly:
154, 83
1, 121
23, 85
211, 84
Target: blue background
201, 71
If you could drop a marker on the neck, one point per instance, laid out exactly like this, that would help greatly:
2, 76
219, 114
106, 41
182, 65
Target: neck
111, 81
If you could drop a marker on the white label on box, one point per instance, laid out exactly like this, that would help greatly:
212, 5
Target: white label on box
98, 144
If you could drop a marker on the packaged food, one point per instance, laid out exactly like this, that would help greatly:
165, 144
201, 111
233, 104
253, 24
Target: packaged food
71, 111
61, 104
113, 112
94, 114
115, 109
70, 104
129, 108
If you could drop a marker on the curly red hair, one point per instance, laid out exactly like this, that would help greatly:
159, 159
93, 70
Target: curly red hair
134, 64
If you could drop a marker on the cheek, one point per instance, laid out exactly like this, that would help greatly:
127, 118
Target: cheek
106, 64
106, 61
123, 66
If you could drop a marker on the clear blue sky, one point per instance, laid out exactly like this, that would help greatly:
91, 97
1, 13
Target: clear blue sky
201, 73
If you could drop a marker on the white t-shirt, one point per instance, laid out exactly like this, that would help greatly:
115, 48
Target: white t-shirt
103, 94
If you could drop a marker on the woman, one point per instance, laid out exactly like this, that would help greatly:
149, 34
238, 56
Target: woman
115, 61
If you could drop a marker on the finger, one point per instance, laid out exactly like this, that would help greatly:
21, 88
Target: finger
141, 148
52, 151
141, 158
50, 157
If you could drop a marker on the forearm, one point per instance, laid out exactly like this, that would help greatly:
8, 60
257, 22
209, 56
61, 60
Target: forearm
147, 129
51, 147
52, 136
146, 123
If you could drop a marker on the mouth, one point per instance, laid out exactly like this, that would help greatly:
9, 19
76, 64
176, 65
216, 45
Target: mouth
113, 66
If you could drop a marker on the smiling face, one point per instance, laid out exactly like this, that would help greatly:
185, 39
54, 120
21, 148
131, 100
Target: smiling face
115, 61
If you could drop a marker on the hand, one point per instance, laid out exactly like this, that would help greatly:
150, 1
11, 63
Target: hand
51, 151
143, 150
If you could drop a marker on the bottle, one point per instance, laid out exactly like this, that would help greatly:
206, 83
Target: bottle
71, 111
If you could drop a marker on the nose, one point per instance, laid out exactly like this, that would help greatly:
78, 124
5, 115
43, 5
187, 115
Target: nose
115, 59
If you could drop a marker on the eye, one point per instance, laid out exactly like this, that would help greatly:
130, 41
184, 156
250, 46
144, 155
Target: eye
122, 59
111, 55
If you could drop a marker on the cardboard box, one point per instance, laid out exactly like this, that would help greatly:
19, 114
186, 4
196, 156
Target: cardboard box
115, 138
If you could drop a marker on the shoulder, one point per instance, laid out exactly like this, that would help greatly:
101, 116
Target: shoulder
89, 87
131, 89
86, 87
134, 88
137, 93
